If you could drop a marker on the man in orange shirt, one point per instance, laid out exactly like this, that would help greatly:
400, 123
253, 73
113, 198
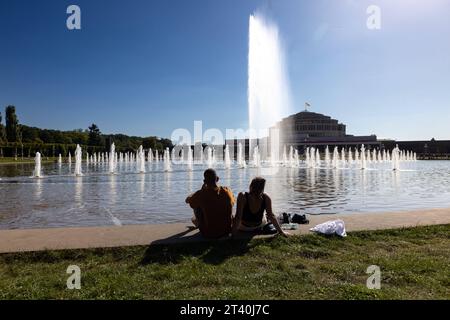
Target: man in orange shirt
213, 207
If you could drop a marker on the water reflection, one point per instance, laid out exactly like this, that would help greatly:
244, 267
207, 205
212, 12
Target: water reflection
158, 196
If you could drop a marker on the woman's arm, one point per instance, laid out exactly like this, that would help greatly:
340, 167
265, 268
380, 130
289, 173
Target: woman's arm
239, 210
271, 216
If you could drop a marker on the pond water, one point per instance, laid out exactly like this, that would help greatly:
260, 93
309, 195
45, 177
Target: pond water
98, 198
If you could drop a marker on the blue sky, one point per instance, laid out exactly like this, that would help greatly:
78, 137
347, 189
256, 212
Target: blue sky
147, 67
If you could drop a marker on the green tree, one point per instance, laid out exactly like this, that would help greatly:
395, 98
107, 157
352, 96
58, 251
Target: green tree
12, 124
95, 138
2, 131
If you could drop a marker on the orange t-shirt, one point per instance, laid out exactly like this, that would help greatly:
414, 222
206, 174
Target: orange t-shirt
216, 205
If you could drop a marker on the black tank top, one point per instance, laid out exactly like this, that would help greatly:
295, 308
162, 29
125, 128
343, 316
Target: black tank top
252, 219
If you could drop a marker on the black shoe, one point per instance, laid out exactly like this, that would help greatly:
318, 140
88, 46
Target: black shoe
300, 219
286, 217
269, 229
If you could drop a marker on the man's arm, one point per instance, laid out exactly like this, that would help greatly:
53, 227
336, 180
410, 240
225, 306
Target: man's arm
239, 210
194, 200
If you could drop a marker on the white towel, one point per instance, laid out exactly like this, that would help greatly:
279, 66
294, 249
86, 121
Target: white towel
331, 227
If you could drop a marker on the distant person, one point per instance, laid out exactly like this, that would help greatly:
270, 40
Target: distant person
254, 211
213, 207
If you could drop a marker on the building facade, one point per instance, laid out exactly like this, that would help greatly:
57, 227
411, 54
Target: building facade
306, 129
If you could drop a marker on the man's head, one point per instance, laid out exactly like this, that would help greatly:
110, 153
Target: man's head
210, 177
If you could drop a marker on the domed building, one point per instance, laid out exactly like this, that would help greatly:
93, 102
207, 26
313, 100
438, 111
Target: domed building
314, 129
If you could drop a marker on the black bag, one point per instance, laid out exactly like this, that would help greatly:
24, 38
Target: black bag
300, 219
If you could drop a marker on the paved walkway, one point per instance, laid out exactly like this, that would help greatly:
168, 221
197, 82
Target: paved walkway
131, 235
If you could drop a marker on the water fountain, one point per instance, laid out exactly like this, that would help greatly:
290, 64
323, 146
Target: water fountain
312, 157
363, 158
69, 160
307, 158
327, 157
78, 154
396, 159
318, 161
112, 164
37, 165
284, 156
291, 156
141, 154
150, 155
266, 69
190, 159
343, 157
166, 159
296, 158
256, 157
209, 157
59, 159
335, 158
227, 161
240, 156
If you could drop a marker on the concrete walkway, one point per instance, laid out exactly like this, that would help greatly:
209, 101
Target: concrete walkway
131, 235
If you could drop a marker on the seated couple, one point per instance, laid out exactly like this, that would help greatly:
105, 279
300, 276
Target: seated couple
213, 209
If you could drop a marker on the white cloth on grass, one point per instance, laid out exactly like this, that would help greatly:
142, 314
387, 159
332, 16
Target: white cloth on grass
331, 227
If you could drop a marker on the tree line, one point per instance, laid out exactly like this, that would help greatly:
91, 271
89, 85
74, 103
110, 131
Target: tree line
18, 139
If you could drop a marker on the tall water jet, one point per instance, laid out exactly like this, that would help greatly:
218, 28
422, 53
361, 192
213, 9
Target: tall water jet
141, 153
227, 160
78, 161
363, 158
297, 158
190, 159
112, 164
318, 161
209, 157
396, 159
241, 156
69, 160
327, 157
284, 156
350, 157
87, 157
291, 156
335, 157
59, 159
37, 165
307, 158
312, 157
167, 165
268, 86
256, 157
343, 157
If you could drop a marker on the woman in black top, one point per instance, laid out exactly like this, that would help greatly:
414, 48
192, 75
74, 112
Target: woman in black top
251, 207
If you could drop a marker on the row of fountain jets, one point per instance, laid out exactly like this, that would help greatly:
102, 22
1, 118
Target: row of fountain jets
337, 159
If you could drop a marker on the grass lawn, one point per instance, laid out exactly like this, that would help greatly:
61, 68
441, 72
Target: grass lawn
415, 264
